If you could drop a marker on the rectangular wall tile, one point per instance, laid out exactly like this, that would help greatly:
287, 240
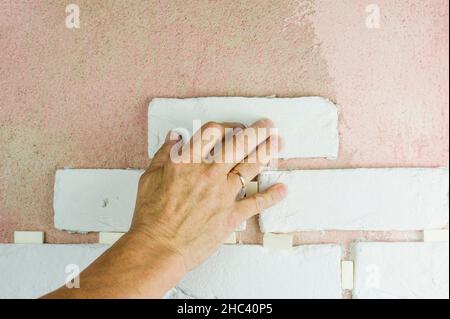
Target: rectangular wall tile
250, 271
95, 199
401, 270
358, 199
308, 124
30, 271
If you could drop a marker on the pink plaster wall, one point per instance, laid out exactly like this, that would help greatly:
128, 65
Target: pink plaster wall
78, 98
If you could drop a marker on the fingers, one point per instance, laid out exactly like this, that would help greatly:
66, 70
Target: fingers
209, 138
244, 143
163, 154
205, 139
256, 203
252, 165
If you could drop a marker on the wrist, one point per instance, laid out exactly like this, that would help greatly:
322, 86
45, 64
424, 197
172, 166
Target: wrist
160, 257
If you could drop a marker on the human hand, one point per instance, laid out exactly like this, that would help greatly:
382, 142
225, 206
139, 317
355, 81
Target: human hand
184, 211
189, 208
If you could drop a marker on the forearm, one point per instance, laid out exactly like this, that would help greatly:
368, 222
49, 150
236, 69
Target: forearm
135, 267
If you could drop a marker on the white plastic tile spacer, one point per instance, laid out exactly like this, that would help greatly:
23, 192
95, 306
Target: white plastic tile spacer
278, 241
28, 237
231, 240
251, 188
435, 235
109, 238
347, 270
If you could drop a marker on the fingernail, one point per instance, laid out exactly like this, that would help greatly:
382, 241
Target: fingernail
173, 136
236, 130
273, 140
282, 189
266, 122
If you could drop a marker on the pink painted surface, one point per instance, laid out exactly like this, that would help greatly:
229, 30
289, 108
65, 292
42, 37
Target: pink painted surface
78, 98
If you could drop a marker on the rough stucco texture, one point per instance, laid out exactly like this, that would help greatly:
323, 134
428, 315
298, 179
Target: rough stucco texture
78, 98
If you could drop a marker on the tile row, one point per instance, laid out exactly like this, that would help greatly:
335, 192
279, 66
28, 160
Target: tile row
331, 199
381, 270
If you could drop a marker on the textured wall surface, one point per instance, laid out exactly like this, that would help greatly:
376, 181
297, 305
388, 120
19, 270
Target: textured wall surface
79, 97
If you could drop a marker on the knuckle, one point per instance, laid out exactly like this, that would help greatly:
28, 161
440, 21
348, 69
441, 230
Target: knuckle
209, 173
172, 169
259, 202
273, 197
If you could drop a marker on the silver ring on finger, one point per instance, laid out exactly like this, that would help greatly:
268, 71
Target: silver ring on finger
241, 193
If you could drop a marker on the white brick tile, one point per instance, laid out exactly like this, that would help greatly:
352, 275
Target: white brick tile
246, 271
30, 271
401, 270
95, 199
308, 124
358, 199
